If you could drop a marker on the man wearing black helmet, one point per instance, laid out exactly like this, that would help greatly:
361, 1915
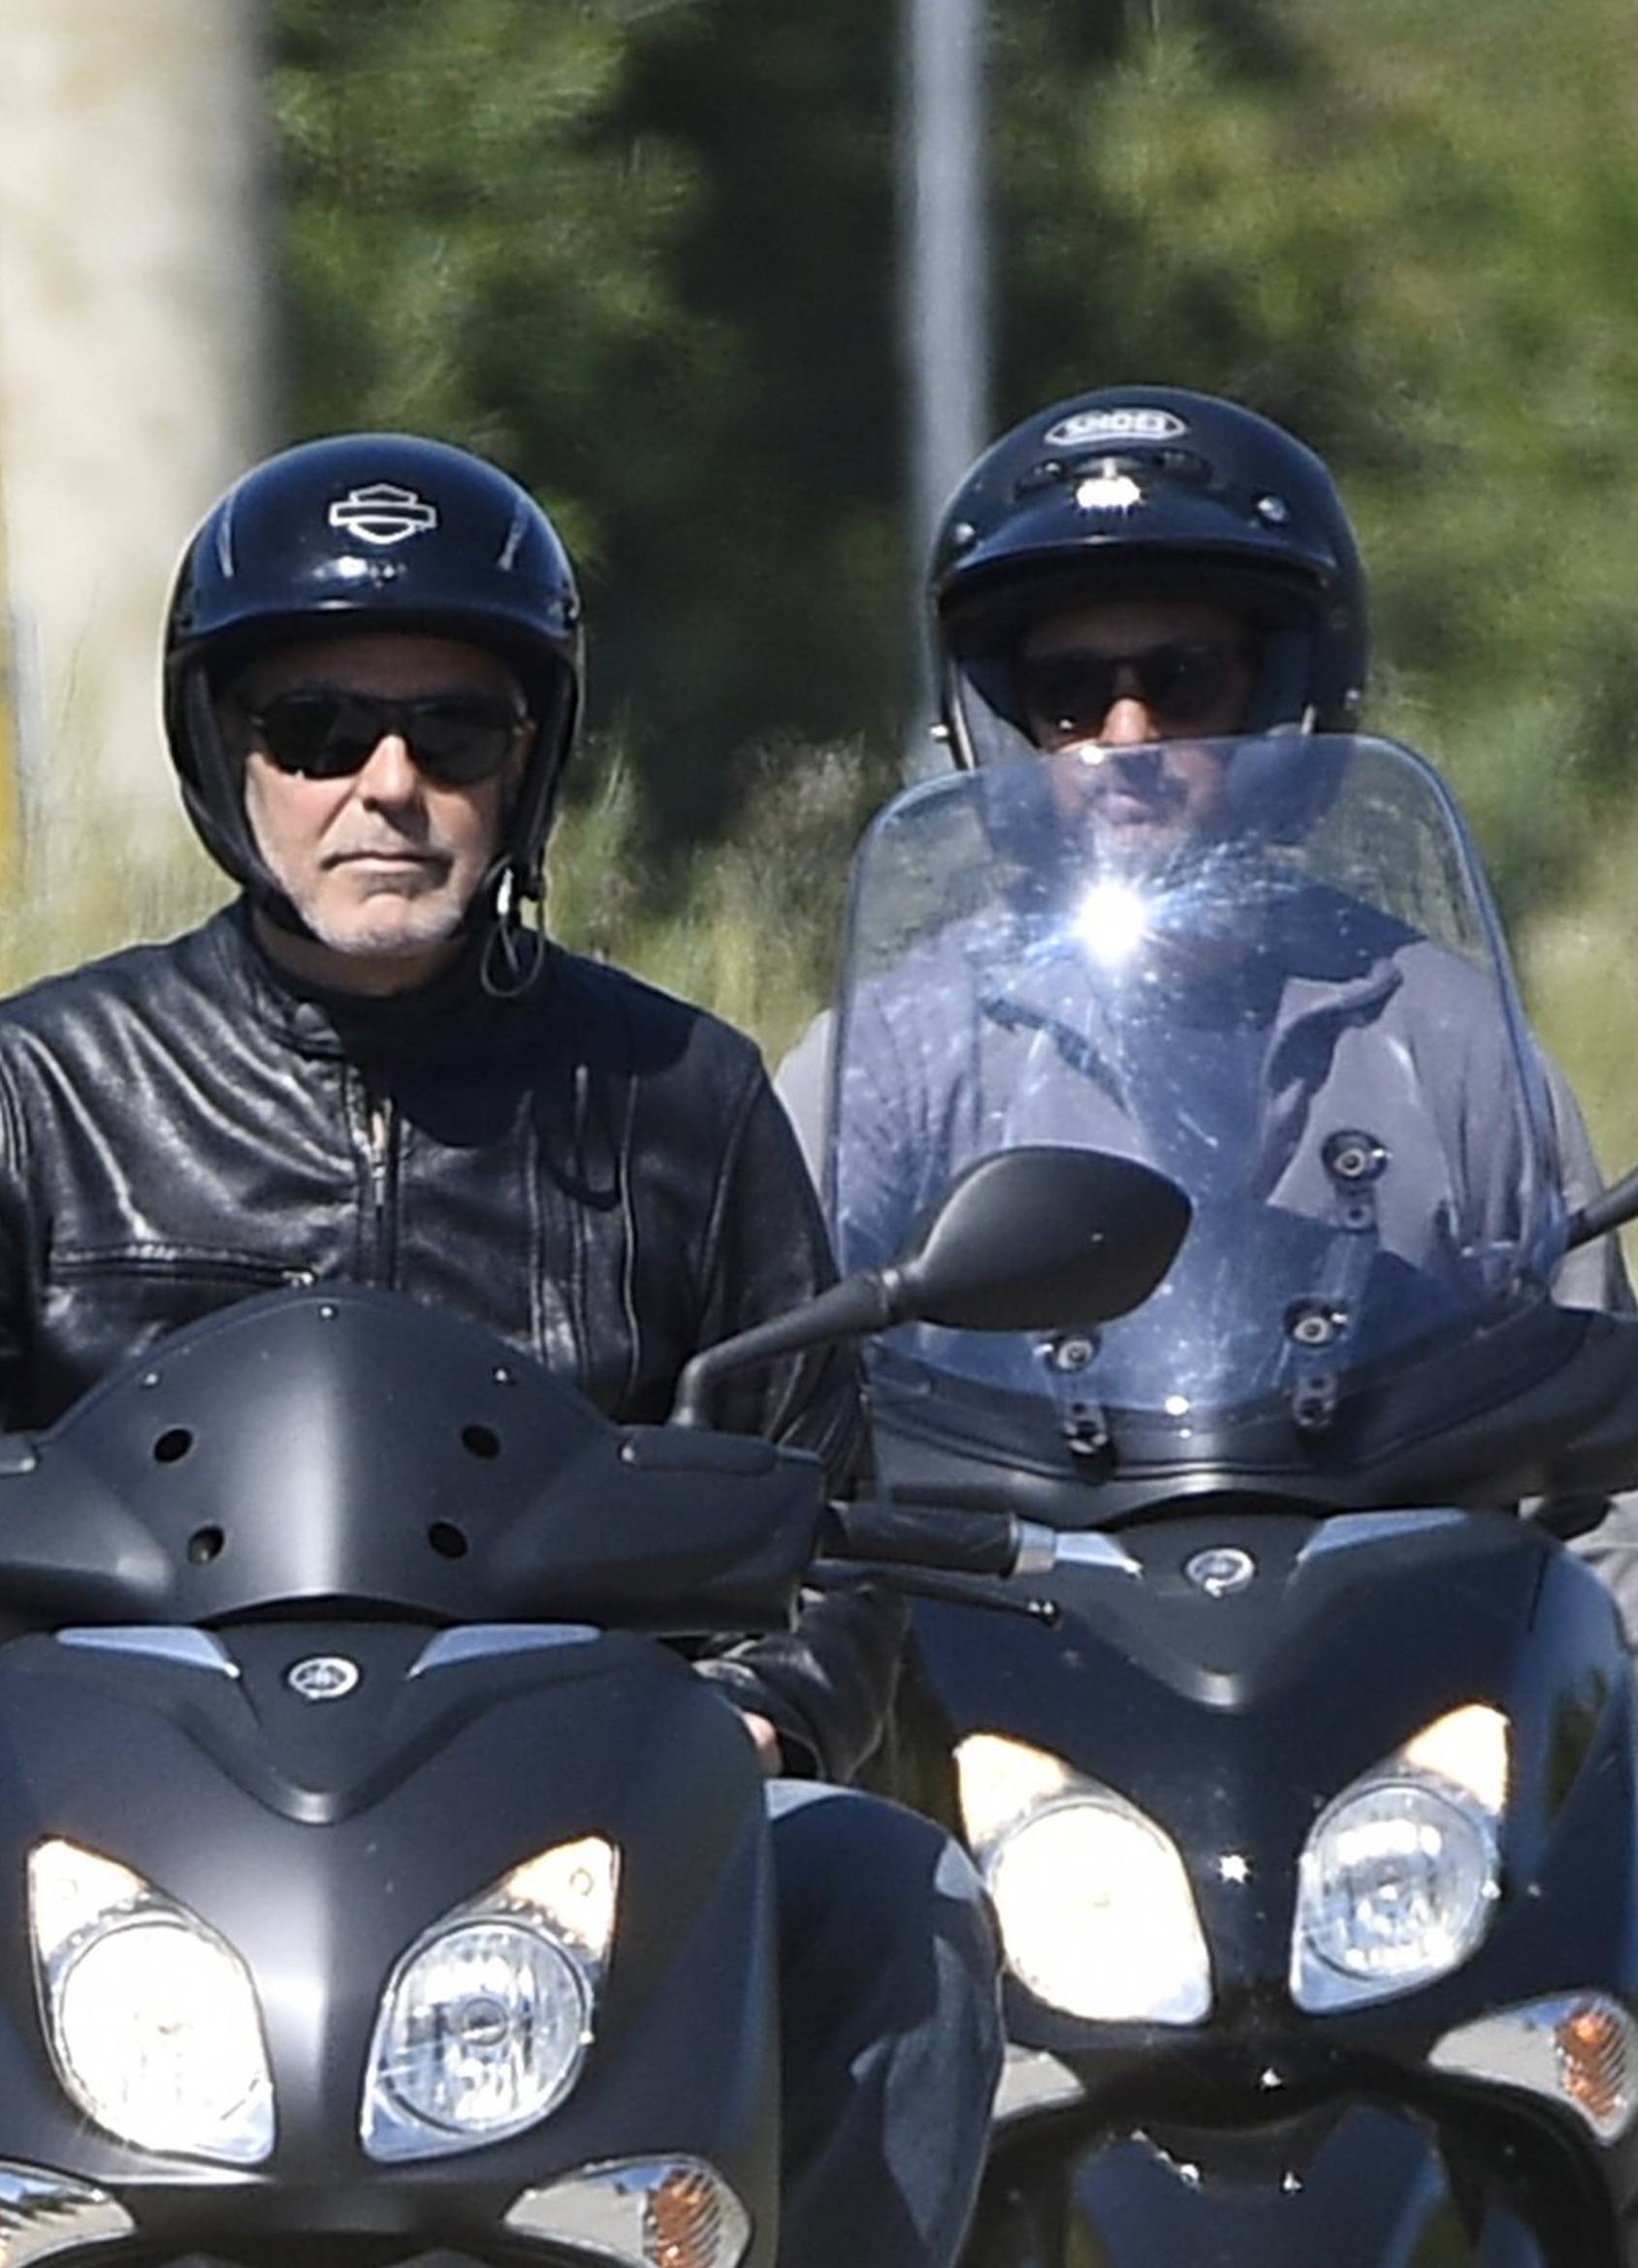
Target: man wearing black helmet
1138, 570
368, 1068
1133, 572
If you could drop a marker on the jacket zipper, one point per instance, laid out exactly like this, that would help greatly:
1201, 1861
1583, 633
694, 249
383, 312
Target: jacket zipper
379, 1130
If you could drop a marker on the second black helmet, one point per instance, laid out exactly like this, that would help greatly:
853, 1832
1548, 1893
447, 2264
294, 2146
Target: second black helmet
1149, 491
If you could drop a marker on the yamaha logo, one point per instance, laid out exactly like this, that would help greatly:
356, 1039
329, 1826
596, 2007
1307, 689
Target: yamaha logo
322, 1677
383, 513
1221, 1570
1095, 428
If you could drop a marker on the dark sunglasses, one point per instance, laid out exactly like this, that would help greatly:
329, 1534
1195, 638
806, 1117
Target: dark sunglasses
455, 739
1179, 683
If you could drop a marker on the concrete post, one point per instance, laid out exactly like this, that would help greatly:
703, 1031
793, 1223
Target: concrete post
134, 378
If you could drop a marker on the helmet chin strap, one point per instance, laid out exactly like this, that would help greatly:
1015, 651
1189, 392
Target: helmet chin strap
513, 956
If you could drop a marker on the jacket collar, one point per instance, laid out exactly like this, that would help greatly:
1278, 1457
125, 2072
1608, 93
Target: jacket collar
452, 1013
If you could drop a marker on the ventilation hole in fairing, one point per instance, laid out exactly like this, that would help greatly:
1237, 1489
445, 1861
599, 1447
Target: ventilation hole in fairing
172, 1445
481, 1440
206, 1544
447, 1540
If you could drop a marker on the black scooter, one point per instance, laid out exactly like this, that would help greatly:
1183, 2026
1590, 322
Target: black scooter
1313, 1843
1301, 1765
377, 1880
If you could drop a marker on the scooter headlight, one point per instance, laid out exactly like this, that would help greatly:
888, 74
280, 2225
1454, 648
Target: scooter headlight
151, 2015
487, 2018
1401, 1872
1096, 1912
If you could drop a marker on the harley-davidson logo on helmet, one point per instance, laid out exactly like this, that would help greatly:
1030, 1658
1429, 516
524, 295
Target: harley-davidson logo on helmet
383, 513
1101, 426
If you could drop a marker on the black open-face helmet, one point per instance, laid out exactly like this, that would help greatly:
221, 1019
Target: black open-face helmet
1147, 491
359, 532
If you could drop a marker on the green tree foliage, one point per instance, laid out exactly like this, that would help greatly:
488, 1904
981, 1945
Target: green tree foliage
467, 250
762, 587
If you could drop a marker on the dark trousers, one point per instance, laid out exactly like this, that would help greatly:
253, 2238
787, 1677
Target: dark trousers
891, 2031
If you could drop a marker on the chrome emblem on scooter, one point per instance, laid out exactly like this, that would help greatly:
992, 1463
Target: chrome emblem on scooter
322, 1677
1221, 1570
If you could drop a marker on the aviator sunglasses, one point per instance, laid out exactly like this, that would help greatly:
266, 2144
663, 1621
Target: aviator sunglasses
1180, 682
457, 739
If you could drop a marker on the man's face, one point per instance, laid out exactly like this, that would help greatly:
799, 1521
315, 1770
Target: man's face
1155, 676
382, 861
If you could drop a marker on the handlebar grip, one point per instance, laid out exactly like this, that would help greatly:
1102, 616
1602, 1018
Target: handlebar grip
905, 1535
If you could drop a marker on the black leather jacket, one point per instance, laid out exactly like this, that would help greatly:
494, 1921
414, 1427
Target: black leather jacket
595, 1170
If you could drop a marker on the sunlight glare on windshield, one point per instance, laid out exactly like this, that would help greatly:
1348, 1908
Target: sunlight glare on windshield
1111, 921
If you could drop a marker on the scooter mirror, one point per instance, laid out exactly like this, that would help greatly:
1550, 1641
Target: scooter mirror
1038, 1238
1030, 1240
1613, 1208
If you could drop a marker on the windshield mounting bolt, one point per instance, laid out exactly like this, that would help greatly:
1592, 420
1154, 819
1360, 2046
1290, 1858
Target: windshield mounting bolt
1070, 1353
1313, 1325
1086, 1430
1313, 1403
1354, 1157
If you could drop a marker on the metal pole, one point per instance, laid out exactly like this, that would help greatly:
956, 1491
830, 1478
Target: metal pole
946, 283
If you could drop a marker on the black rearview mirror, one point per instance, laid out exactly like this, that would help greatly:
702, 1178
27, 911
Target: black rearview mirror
1029, 1239
1039, 1239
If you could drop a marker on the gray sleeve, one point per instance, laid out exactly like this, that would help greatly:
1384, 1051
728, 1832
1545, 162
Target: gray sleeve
1596, 1276
802, 1084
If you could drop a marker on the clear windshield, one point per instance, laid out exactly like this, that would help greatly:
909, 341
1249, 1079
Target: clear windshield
1269, 968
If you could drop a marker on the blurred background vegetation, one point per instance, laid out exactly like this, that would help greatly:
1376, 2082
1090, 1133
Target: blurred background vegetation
643, 252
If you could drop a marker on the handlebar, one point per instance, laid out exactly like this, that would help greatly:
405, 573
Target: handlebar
904, 1535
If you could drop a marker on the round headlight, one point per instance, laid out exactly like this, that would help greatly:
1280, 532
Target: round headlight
482, 2031
1097, 1914
1396, 1888
156, 2030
